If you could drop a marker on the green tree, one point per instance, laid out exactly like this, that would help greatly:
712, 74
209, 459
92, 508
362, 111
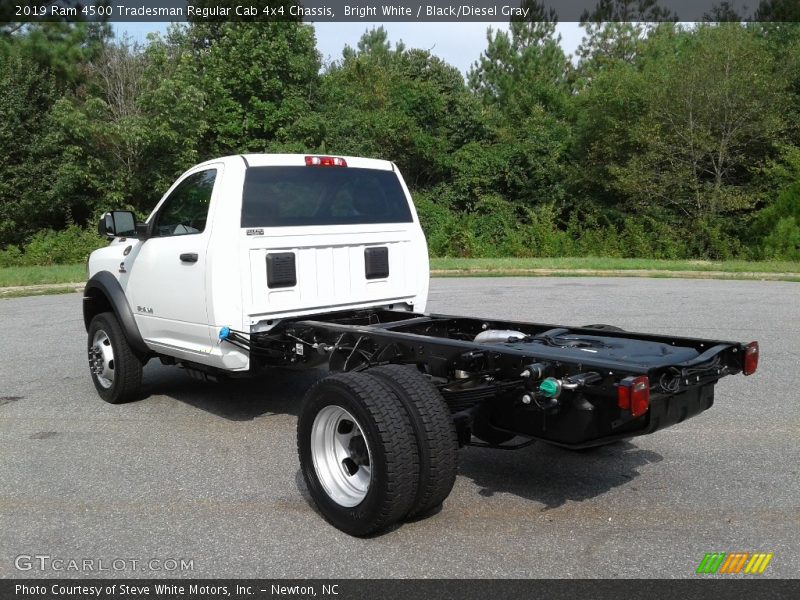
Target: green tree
40, 64
777, 227
713, 112
392, 102
523, 80
124, 141
616, 32
523, 68
60, 49
26, 96
259, 83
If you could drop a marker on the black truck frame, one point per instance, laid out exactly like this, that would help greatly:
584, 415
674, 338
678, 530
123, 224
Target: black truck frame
505, 381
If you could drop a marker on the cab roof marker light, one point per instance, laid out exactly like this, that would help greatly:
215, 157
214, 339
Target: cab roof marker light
325, 161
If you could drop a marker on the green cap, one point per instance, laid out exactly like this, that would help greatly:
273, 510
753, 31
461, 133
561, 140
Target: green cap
549, 388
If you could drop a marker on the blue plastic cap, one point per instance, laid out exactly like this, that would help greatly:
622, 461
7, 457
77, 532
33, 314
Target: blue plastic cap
224, 333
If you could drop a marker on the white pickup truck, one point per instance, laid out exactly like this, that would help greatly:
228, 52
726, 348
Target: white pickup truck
255, 261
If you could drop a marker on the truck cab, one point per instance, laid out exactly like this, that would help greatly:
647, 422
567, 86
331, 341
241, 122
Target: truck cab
246, 241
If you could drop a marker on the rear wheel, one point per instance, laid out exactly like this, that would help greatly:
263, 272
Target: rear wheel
116, 371
437, 443
357, 453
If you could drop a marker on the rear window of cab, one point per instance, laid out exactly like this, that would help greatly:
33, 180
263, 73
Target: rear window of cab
303, 196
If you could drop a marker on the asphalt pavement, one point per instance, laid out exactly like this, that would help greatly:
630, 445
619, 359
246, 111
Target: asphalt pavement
208, 474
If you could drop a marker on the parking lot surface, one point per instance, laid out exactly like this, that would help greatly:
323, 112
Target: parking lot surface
209, 473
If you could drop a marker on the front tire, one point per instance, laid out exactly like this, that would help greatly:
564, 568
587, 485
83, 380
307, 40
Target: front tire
116, 371
357, 453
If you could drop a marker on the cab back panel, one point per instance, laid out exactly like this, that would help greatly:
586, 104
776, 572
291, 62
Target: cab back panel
329, 275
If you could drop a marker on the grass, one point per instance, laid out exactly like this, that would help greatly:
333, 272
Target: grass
597, 263
729, 269
16, 276
465, 266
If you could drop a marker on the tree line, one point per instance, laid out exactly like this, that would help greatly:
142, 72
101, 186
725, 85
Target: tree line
658, 140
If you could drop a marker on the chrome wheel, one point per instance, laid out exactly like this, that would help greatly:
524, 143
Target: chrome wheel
101, 359
341, 456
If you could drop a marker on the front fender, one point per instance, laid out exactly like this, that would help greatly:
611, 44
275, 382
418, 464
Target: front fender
102, 293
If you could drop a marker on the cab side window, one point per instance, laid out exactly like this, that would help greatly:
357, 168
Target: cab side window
186, 209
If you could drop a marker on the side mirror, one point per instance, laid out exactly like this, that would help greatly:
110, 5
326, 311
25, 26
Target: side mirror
117, 223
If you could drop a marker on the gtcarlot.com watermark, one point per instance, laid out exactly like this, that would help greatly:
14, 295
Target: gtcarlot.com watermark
46, 563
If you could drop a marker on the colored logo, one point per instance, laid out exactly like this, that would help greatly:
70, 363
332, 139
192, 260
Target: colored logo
731, 563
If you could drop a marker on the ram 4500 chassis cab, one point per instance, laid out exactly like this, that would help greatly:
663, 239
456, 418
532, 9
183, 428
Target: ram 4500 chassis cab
257, 261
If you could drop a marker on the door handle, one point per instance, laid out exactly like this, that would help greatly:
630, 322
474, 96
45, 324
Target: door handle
190, 257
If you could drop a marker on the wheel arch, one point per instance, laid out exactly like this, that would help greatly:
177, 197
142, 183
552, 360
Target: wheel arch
103, 293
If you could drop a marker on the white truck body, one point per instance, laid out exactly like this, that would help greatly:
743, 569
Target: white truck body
180, 305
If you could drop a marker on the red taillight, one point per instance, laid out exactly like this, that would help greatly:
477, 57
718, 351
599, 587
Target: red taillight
750, 362
633, 394
325, 161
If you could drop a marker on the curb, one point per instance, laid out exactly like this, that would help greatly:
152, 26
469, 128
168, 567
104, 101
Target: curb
16, 291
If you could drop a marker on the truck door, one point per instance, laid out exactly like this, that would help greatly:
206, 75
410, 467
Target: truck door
168, 274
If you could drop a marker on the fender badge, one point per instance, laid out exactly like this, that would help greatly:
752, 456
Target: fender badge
255, 232
122, 268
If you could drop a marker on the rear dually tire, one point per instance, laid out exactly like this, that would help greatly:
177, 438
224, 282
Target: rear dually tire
357, 451
434, 430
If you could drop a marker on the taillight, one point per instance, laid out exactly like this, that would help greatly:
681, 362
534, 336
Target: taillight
325, 161
633, 394
750, 362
